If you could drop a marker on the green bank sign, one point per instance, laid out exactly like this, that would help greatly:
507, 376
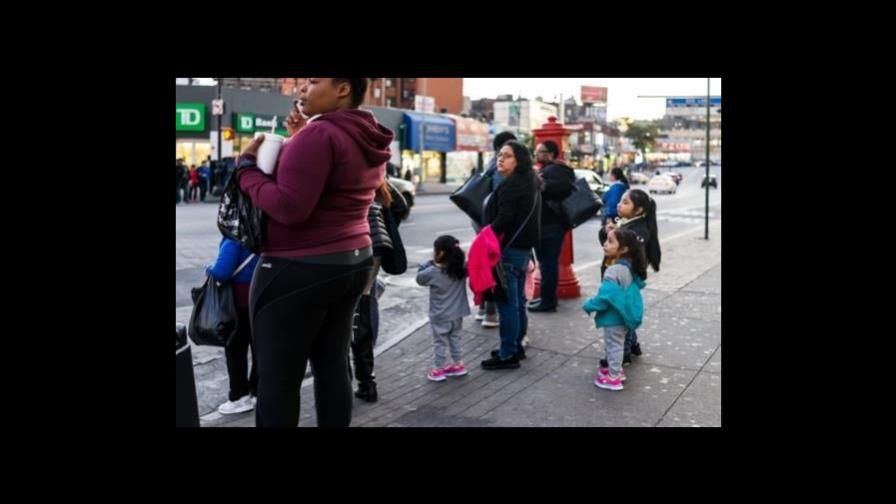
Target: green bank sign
189, 117
250, 123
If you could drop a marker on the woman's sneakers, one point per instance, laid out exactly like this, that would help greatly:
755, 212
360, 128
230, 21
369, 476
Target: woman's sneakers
520, 354
608, 381
490, 320
367, 391
241, 405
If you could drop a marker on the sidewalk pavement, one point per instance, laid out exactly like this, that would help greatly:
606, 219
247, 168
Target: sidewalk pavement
675, 383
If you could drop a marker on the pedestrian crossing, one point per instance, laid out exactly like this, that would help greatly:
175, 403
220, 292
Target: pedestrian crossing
686, 216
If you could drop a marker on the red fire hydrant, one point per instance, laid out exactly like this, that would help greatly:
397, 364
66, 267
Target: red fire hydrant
567, 283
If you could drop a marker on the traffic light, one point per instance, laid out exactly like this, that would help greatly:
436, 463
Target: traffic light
227, 133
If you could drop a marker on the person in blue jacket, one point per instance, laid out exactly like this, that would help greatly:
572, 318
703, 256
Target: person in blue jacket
236, 265
614, 194
618, 304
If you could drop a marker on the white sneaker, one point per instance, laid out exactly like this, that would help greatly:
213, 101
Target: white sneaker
525, 341
489, 323
241, 405
481, 313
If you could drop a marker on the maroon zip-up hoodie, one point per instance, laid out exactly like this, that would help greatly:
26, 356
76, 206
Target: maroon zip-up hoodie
317, 198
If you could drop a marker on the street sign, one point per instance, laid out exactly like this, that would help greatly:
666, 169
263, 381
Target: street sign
217, 107
424, 103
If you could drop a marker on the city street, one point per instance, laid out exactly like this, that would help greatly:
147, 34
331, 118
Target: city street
403, 306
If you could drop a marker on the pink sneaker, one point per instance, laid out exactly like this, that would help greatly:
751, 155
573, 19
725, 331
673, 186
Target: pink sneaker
436, 375
608, 381
455, 370
604, 371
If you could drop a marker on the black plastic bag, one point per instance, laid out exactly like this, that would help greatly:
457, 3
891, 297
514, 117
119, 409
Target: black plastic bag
214, 318
471, 196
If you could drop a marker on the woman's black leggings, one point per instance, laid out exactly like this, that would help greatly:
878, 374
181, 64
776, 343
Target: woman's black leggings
304, 311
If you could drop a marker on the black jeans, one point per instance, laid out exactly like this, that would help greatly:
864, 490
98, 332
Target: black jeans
304, 311
236, 353
365, 332
548, 253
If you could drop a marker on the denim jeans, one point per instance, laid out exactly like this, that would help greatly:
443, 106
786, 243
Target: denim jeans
512, 312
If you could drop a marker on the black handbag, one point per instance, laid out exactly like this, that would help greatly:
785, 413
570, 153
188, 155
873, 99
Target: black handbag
471, 196
578, 207
214, 319
238, 218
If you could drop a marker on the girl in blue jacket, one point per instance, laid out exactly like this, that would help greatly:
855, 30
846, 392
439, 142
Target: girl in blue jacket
231, 256
618, 302
614, 195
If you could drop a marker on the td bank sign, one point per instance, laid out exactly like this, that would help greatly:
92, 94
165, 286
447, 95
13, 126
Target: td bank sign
189, 117
250, 123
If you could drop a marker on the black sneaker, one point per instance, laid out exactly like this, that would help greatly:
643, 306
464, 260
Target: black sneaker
541, 308
636, 349
367, 391
626, 359
520, 354
497, 363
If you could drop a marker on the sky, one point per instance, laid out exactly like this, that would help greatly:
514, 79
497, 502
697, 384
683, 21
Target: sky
622, 93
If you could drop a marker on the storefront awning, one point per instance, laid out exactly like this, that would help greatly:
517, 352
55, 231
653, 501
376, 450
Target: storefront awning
472, 135
390, 118
438, 132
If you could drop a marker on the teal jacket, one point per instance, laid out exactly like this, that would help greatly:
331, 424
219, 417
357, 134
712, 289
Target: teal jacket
618, 300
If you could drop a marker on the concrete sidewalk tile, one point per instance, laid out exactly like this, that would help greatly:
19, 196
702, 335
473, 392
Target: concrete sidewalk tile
567, 397
699, 406
715, 363
519, 385
692, 305
708, 283
681, 343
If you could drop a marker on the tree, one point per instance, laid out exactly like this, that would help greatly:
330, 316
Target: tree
527, 140
643, 136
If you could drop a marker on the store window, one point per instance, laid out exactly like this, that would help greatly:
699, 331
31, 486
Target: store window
193, 152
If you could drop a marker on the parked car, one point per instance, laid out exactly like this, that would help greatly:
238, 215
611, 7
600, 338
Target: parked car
662, 184
712, 181
636, 178
407, 189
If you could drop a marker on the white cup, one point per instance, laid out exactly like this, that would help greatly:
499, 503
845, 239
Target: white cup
268, 151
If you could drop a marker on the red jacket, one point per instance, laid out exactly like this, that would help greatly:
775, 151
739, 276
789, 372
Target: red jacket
485, 252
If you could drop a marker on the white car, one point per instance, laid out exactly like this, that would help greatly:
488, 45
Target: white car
407, 189
662, 183
638, 178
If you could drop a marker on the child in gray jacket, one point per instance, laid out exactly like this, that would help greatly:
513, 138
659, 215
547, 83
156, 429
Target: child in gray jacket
448, 305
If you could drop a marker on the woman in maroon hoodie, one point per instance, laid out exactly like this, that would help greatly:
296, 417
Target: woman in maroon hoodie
316, 258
